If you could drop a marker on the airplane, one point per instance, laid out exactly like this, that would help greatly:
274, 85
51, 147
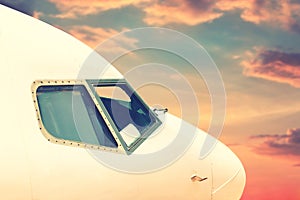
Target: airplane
61, 138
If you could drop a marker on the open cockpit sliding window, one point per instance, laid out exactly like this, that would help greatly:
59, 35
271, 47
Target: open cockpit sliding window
102, 114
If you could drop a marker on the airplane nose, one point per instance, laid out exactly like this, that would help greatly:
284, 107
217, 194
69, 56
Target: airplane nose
228, 174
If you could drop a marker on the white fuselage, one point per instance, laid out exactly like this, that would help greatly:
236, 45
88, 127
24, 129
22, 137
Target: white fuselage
34, 168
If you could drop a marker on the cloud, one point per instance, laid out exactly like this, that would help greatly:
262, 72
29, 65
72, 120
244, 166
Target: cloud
24, 6
190, 12
37, 14
90, 35
282, 145
103, 40
266, 11
229, 5
273, 65
277, 13
76, 8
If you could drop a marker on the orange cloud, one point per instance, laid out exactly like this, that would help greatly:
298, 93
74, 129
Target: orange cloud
274, 65
76, 8
103, 40
257, 11
281, 13
278, 12
90, 35
37, 14
229, 5
157, 13
190, 12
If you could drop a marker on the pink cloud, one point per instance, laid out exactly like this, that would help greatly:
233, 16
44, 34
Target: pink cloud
103, 40
279, 144
263, 11
37, 14
281, 13
190, 12
229, 5
90, 35
273, 65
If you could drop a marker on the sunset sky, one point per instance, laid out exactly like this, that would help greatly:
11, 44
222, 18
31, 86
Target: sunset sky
256, 46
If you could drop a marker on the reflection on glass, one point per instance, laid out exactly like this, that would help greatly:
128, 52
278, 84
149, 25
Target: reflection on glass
132, 117
69, 113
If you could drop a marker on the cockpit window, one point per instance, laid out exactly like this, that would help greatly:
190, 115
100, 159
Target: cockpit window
59, 106
102, 114
132, 117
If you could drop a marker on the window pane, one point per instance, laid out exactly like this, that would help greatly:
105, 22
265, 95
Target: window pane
112, 92
69, 113
131, 116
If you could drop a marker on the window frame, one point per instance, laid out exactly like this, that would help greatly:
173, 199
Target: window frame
89, 84
34, 87
129, 149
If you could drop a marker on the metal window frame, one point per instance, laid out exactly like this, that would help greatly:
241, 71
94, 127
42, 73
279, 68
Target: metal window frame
36, 84
129, 149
